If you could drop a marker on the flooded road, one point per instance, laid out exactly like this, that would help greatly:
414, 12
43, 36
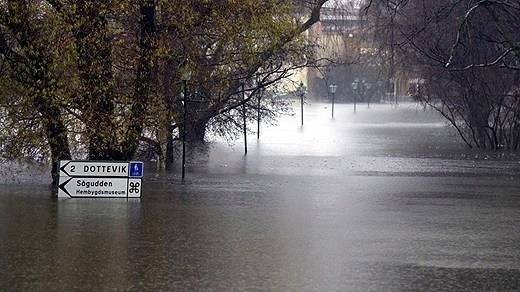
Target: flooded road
386, 199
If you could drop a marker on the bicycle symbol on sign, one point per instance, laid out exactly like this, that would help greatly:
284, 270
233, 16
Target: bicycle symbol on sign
134, 187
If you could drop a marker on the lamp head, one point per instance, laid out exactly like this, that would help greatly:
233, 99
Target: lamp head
333, 88
186, 75
301, 88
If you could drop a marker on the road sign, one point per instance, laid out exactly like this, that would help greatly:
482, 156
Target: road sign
103, 179
92, 168
136, 169
77, 187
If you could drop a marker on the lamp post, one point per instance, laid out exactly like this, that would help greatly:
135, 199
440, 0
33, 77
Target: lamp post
186, 76
379, 89
333, 88
392, 91
367, 86
244, 120
301, 92
258, 100
355, 86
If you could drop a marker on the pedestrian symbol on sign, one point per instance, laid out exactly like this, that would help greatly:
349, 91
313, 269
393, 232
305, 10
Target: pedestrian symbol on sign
136, 169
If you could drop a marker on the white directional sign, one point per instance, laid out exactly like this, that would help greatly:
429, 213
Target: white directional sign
91, 179
91, 168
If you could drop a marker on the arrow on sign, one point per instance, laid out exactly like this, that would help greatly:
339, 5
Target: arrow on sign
92, 168
99, 187
62, 187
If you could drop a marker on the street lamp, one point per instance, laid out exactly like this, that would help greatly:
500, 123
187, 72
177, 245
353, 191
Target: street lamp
392, 90
333, 88
355, 86
367, 86
379, 89
258, 100
244, 120
185, 77
301, 93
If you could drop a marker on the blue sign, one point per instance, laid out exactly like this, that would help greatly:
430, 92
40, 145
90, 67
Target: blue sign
136, 169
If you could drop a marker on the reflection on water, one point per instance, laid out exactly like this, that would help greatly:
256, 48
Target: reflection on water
364, 207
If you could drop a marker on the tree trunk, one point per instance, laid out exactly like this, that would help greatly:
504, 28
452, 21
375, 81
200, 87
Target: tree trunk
161, 160
166, 148
56, 135
93, 45
143, 79
168, 159
196, 131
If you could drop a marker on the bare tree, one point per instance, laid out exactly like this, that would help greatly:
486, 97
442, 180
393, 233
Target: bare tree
467, 55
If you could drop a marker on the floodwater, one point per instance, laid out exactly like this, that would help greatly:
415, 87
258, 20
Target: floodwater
386, 199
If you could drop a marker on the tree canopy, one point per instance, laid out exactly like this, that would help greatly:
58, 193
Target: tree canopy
98, 78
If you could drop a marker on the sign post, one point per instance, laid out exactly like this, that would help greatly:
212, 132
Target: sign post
100, 179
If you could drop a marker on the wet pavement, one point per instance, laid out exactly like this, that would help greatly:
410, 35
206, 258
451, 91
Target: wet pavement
386, 199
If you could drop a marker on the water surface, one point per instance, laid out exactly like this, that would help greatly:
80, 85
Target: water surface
383, 200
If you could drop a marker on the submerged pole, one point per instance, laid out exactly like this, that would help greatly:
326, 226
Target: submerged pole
332, 104
244, 118
258, 117
185, 109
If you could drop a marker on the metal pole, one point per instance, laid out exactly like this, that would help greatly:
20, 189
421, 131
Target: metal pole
355, 99
185, 109
332, 104
301, 101
368, 96
258, 115
244, 118
395, 92
392, 57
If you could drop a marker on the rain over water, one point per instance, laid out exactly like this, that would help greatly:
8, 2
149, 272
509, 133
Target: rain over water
387, 199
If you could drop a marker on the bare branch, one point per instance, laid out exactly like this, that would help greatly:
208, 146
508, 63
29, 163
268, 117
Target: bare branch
495, 62
467, 16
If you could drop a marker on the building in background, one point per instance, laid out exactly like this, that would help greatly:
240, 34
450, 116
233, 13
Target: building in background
350, 59
339, 43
